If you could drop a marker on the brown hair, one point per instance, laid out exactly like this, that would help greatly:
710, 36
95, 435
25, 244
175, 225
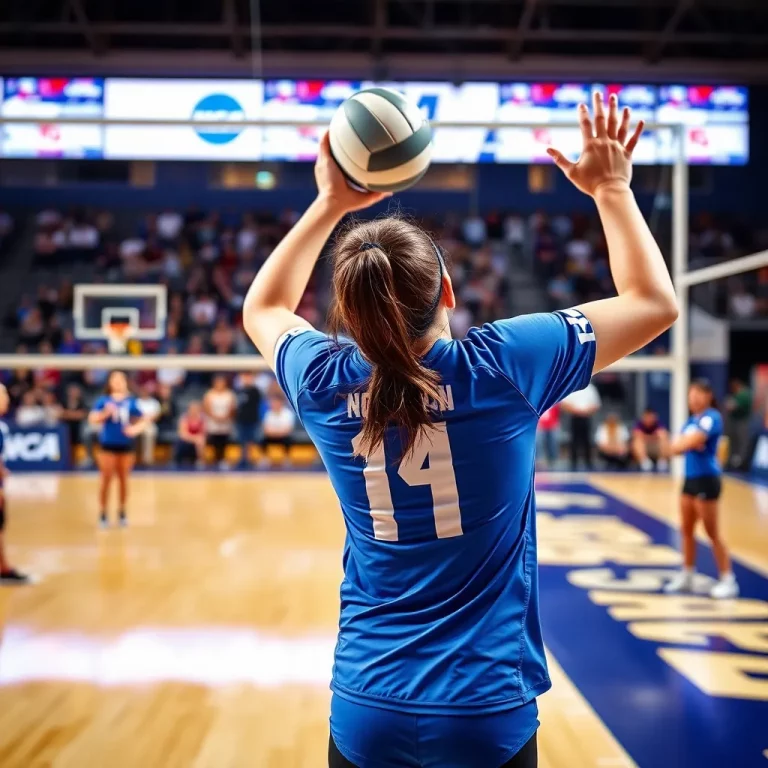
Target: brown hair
704, 386
387, 281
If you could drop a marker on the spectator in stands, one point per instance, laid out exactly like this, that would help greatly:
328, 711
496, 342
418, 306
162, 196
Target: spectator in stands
69, 345
474, 231
166, 422
248, 414
223, 337
582, 406
30, 413
32, 328
83, 236
649, 441
51, 407
220, 405
460, 320
21, 382
150, 408
171, 377
560, 291
612, 441
247, 237
203, 311
739, 415
73, 414
548, 437
191, 438
169, 225
47, 378
277, 426
742, 303
514, 232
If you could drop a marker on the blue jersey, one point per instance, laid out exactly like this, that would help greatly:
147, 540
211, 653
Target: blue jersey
111, 432
704, 462
439, 601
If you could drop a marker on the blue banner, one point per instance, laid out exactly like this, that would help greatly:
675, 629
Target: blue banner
760, 456
35, 449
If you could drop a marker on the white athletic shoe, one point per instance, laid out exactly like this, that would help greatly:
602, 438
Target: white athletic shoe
662, 465
683, 582
725, 589
646, 465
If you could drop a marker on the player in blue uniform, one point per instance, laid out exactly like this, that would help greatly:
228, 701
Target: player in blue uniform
121, 421
429, 443
8, 575
700, 499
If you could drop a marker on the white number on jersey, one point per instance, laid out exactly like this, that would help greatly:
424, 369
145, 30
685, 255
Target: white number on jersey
430, 464
122, 414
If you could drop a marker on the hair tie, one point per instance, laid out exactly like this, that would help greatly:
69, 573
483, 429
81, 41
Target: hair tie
366, 246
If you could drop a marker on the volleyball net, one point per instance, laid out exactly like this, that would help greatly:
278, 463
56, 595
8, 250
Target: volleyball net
132, 319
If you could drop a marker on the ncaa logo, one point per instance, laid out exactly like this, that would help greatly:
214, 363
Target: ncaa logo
219, 108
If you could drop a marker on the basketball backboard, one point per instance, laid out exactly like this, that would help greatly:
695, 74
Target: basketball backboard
142, 307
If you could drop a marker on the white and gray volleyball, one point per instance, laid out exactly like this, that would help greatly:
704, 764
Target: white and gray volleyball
381, 140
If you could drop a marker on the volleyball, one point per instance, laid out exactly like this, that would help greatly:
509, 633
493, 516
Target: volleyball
381, 140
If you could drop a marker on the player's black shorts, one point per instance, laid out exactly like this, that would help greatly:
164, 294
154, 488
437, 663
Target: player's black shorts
527, 757
706, 488
107, 448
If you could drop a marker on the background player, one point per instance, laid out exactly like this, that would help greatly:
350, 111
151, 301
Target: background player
700, 499
8, 575
440, 652
121, 421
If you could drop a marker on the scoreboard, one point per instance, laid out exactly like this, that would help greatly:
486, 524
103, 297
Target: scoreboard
716, 118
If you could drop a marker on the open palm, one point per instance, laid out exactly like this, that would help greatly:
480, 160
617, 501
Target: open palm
606, 156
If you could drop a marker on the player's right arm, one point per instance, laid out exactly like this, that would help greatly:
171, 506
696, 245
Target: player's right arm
646, 305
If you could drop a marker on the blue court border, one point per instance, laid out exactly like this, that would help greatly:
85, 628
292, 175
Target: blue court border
660, 717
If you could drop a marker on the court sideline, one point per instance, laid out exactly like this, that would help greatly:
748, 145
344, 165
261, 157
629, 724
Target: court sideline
203, 634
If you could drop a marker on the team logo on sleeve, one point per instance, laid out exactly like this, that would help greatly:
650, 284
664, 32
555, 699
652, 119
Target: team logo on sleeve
574, 317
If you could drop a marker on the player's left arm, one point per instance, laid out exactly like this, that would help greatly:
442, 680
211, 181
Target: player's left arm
139, 421
269, 310
695, 439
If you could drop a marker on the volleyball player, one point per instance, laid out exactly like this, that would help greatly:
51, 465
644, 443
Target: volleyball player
121, 420
700, 499
8, 574
429, 444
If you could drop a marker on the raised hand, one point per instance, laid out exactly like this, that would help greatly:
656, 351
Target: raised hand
606, 157
332, 184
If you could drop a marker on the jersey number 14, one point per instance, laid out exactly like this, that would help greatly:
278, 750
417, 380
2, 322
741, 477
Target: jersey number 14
430, 464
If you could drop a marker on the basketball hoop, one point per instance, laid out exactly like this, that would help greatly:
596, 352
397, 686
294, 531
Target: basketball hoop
117, 335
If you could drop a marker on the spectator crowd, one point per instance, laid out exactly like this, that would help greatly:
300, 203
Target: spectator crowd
208, 260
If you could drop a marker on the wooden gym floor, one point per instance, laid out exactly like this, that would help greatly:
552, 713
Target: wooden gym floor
202, 635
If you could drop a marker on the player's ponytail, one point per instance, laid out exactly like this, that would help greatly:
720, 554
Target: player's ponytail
387, 286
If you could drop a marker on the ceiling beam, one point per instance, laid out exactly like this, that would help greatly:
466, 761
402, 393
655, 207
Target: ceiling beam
380, 17
517, 40
229, 18
351, 65
363, 31
683, 6
95, 41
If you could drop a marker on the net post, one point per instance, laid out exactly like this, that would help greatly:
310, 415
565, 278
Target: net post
680, 332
